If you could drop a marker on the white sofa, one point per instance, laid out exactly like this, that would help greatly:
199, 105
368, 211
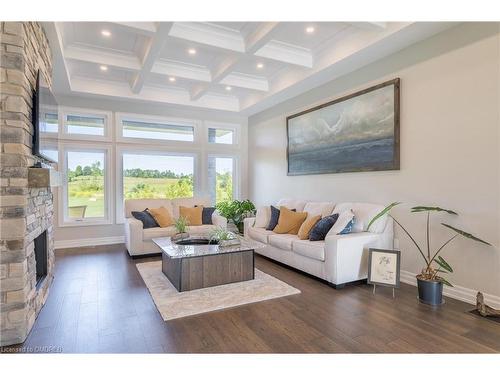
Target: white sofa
339, 259
139, 240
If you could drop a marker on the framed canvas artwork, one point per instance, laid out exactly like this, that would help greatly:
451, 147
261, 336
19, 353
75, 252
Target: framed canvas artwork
384, 267
355, 133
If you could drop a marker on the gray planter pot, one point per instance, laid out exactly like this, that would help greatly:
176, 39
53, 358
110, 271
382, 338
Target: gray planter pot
430, 292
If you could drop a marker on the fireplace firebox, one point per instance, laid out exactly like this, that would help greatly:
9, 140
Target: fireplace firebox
41, 258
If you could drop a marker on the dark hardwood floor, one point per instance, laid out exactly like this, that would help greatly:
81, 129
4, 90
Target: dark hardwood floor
99, 303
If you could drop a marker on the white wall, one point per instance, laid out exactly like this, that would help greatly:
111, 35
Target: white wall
70, 236
449, 148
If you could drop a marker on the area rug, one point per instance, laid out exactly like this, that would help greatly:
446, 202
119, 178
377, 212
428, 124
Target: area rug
172, 304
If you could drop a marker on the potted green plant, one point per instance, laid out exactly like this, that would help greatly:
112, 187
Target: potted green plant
223, 237
181, 225
431, 279
235, 211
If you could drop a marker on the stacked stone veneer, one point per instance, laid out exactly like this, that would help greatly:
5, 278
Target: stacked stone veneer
24, 212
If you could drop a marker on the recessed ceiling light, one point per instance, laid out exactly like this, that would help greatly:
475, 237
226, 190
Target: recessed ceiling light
228, 88
106, 33
192, 51
309, 29
103, 68
171, 79
260, 66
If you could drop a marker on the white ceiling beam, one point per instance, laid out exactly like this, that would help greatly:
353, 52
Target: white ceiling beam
209, 34
246, 81
182, 70
287, 53
219, 72
99, 56
370, 26
62, 79
146, 28
153, 51
259, 37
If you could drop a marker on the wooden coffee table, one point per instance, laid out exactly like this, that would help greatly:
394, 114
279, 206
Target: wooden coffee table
200, 265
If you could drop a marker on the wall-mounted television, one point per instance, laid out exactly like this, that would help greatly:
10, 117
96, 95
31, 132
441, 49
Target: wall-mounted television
45, 119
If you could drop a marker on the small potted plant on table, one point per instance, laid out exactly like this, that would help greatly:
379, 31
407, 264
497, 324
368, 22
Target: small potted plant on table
181, 225
431, 279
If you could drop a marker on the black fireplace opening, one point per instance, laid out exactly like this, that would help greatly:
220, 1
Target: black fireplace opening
41, 258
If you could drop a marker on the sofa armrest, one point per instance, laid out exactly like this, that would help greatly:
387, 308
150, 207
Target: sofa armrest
247, 223
133, 235
218, 220
347, 255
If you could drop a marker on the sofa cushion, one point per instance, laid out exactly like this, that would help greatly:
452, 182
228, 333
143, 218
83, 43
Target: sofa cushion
260, 234
145, 217
363, 213
282, 241
142, 204
149, 234
307, 225
344, 223
322, 227
273, 221
191, 214
162, 216
262, 217
289, 221
206, 215
296, 204
319, 208
313, 250
188, 202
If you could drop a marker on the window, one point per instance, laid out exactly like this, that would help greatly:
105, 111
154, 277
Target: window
85, 193
85, 124
169, 131
220, 178
222, 136
49, 122
157, 176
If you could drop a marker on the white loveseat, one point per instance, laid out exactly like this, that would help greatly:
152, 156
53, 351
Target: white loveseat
339, 259
139, 240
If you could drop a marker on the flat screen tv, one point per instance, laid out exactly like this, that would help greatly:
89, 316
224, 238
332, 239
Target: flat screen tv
45, 120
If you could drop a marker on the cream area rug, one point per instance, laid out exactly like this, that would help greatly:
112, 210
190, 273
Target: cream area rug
172, 304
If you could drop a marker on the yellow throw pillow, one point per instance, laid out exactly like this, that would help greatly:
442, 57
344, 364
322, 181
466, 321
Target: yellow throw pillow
162, 216
192, 214
289, 221
307, 225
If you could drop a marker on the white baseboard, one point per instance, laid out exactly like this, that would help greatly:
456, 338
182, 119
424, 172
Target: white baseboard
81, 242
457, 292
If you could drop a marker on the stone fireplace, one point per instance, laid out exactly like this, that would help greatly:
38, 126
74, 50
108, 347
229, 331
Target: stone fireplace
26, 207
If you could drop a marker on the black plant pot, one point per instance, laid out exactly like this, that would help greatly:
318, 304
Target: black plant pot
430, 292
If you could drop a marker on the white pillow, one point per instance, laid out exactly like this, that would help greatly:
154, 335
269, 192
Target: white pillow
344, 218
262, 217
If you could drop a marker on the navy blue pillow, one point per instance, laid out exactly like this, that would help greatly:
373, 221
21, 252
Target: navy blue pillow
319, 231
206, 215
275, 216
147, 219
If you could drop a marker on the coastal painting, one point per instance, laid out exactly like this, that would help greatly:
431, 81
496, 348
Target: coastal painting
355, 133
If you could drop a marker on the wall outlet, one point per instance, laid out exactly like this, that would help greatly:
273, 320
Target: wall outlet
396, 244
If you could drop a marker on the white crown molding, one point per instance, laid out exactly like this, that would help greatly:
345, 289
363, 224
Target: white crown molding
457, 292
83, 242
246, 81
209, 34
287, 53
182, 70
99, 56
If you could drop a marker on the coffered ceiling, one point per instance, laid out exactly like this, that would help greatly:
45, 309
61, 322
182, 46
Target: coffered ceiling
241, 67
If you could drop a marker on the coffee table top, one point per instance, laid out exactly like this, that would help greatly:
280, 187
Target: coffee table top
174, 250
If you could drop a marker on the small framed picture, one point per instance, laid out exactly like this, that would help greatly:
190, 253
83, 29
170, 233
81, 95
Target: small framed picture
384, 267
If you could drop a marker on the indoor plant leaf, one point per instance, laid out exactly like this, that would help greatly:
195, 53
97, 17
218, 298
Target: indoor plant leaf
436, 209
443, 264
382, 213
445, 282
465, 234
